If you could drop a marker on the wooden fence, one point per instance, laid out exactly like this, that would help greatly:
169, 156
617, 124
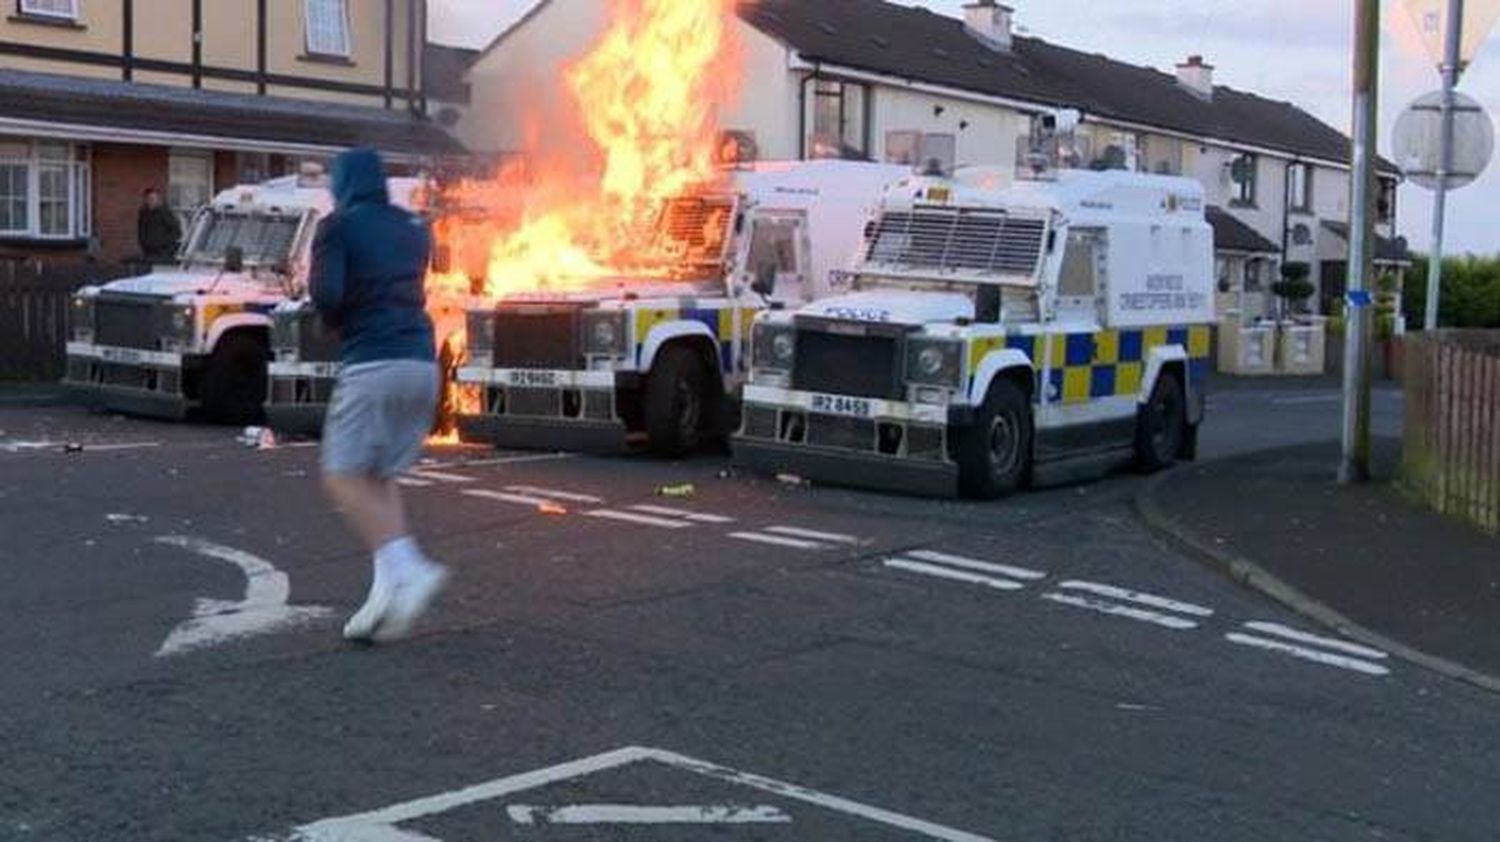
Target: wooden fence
1451, 456
34, 299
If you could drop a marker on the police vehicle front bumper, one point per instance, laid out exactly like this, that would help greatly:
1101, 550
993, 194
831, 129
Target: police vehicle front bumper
883, 445
298, 394
131, 381
530, 409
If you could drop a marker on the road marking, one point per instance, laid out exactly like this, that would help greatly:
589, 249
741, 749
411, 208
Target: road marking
777, 540
501, 460
440, 476
696, 517
642, 520
263, 610
955, 575
1315, 655
502, 497
631, 814
383, 824
813, 534
1306, 399
1139, 598
1290, 633
556, 495
412, 482
27, 446
1117, 610
975, 564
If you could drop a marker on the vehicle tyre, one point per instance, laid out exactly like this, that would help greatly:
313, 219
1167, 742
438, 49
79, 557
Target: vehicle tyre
676, 402
234, 384
1161, 426
994, 454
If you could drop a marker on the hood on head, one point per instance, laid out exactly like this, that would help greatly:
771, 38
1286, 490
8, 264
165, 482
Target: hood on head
359, 178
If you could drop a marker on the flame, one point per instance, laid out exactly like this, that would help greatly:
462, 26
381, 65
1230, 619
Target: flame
647, 98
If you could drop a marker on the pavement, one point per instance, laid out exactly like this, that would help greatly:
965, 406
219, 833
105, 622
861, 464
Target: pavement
1365, 560
752, 662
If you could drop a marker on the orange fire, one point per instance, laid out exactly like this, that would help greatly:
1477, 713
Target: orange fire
648, 96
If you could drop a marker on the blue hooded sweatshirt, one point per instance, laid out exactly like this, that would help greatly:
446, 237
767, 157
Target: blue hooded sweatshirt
369, 261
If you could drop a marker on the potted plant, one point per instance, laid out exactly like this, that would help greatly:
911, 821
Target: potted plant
1293, 289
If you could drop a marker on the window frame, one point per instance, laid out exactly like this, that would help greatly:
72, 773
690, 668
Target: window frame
315, 50
830, 88
28, 9
1301, 201
75, 194
1246, 193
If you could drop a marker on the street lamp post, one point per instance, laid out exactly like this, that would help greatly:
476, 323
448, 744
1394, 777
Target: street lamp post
1355, 464
1452, 68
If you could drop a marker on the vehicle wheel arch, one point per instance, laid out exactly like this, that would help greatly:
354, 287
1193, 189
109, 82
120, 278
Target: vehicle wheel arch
254, 323
1008, 363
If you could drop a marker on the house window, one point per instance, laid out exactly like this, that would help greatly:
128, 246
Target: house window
1385, 204
1162, 155
63, 9
44, 190
839, 126
328, 28
1243, 172
190, 180
1300, 188
1255, 275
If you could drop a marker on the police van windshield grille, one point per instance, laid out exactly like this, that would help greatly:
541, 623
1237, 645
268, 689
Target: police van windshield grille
264, 239
692, 233
989, 242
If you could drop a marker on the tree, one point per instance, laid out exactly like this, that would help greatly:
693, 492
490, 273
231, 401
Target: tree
1471, 292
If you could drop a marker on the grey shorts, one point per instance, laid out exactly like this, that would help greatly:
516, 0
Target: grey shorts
380, 415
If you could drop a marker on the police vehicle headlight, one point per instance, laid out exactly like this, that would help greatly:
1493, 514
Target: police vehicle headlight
81, 319
775, 347
604, 334
180, 323
481, 334
935, 363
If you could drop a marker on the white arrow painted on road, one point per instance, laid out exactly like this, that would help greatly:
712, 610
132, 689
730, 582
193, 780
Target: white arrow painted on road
637, 814
263, 610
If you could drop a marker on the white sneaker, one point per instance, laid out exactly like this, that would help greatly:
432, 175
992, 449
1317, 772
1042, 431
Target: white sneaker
373, 614
412, 596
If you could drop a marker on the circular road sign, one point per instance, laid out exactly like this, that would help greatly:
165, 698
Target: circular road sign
1419, 132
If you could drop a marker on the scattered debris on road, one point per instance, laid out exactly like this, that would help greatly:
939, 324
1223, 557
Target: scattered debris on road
685, 489
120, 519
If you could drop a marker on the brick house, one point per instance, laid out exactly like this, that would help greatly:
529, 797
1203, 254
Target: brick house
100, 99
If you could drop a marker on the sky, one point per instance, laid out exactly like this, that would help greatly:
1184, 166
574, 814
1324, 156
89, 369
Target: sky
1297, 50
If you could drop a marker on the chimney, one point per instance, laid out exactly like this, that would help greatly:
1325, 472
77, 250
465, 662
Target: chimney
1197, 77
990, 22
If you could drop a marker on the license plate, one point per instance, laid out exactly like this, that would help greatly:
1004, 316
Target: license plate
122, 355
841, 405
533, 378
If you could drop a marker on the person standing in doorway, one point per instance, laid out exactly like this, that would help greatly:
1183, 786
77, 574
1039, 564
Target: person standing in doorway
369, 261
157, 229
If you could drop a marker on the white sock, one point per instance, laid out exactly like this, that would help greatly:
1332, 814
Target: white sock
398, 559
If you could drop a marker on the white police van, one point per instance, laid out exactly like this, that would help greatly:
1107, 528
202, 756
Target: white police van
998, 327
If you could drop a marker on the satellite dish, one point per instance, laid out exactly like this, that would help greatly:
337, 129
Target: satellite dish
1419, 140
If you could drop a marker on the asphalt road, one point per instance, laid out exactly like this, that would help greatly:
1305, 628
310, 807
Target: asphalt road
753, 662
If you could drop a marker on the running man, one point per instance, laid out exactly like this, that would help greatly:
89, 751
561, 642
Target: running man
369, 260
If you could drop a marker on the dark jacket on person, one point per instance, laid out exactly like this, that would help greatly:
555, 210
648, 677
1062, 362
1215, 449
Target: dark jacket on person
158, 232
369, 261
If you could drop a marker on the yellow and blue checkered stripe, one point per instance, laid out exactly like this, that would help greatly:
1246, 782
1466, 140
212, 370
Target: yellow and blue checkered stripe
1108, 363
721, 321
